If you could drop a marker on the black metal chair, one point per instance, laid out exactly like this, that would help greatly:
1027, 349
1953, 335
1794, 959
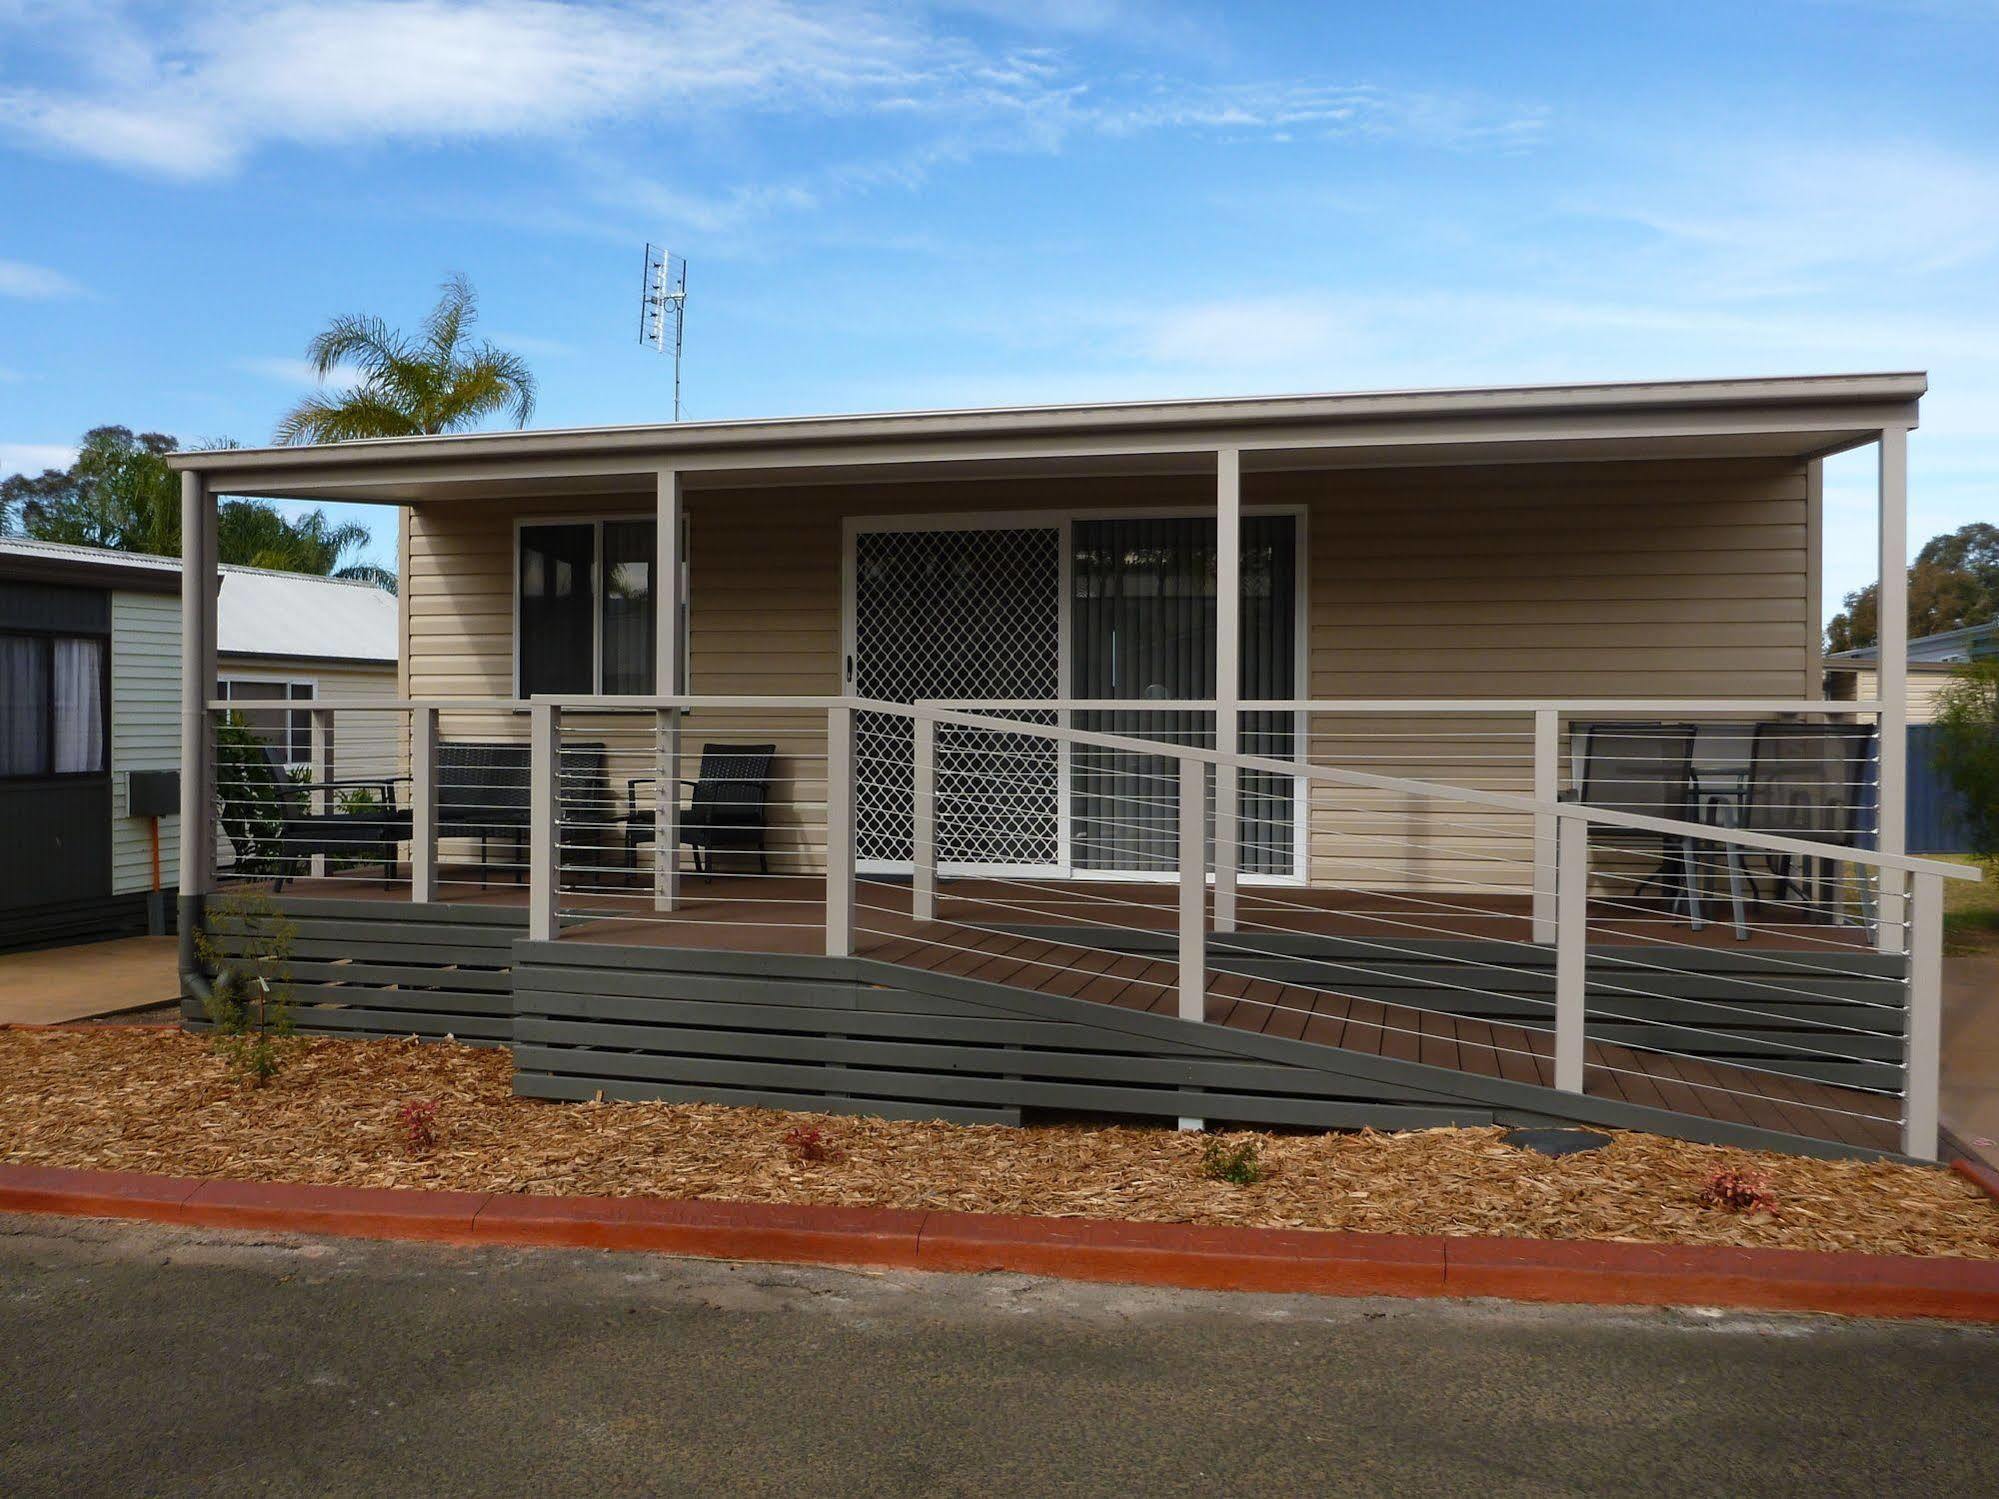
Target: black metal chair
1644, 768
364, 833
1809, 781
729, 810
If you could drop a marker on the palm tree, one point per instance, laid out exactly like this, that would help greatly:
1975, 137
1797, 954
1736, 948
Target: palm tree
438, 381
255, 535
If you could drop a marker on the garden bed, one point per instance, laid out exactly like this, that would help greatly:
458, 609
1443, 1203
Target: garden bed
163, 1102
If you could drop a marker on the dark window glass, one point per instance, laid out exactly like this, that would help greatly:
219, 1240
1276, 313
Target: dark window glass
556, 625
629, 559
24, 706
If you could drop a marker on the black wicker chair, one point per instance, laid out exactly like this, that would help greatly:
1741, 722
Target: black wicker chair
483, 792
729, 810
365, 834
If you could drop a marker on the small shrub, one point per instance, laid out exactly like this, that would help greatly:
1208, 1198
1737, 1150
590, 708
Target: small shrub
1738, 1192
250, 994
416, 1120
1237, 1161
1967, 752
808, 1142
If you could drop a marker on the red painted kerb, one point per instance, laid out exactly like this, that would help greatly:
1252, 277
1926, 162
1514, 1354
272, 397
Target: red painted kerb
1193, 1256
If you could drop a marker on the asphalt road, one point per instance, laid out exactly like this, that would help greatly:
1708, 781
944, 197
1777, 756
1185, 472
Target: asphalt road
145, 1360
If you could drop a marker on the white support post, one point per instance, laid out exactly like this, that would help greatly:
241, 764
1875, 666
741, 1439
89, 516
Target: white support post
669, 680
839, 832
1228, 680
1547, 787
1571, 950
544, 851
1193, 952
423, 805
1924, 1041
1892, 679
197, 685
321, 752
923, 824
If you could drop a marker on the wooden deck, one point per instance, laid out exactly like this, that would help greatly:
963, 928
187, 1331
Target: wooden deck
785, 915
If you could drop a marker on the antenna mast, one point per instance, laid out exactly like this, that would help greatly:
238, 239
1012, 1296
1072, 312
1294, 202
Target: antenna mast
663, 308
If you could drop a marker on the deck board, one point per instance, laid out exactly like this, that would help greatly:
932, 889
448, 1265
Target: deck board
785, 914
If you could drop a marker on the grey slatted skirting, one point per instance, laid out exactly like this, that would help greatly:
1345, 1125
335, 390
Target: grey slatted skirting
381, 968
855, 1036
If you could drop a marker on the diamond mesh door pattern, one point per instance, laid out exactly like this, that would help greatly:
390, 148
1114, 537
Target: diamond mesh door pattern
958, 614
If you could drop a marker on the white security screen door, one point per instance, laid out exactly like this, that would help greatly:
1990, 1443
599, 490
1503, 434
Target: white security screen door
957, 614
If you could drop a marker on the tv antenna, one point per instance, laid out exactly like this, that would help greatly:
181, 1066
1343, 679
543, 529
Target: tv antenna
663, 308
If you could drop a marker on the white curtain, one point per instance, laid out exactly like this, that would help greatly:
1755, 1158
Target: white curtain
79, 690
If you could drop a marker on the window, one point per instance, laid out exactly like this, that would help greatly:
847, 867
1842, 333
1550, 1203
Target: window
576, 634
52, 705
279, 713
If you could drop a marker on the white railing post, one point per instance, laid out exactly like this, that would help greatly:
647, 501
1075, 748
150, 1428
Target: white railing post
320, 764
839, 832
666, 811
1571, 949
1228, 681
1193, 947
1924, 1040
423, 805
923, 824
544, 853
1547, 787
1891, 685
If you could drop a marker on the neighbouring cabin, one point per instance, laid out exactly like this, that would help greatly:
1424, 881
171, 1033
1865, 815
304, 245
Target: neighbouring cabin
90, 692
1305, 760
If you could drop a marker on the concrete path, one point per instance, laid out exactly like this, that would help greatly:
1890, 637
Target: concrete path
138, 1359
92, 978
1970, 1088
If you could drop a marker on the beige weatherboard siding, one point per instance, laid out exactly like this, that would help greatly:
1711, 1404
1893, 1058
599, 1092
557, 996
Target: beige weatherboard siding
1926, 682
1627, 579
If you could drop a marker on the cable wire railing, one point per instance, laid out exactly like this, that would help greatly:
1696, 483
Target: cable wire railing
1491, 922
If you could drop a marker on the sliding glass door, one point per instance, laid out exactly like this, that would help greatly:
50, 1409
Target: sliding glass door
1143, 627
1106, 608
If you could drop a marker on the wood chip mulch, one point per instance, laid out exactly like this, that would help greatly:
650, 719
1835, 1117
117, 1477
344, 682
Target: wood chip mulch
161, 1101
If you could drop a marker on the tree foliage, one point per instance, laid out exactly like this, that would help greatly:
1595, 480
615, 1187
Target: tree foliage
437, 380
1967, 751
120, 494
1953, 582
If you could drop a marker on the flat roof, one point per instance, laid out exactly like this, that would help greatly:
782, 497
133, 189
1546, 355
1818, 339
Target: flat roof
1786, 416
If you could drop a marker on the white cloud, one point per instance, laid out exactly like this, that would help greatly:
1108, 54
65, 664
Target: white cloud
290, 371
33, 457
1764, 219
194, 99
35, 283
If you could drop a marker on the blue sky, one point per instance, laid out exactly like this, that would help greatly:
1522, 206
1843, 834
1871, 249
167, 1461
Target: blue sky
903, 205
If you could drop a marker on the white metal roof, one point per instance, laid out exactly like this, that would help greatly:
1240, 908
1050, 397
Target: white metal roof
259, 612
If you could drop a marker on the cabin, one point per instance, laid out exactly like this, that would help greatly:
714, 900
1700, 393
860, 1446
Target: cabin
1383, 759
90, 685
